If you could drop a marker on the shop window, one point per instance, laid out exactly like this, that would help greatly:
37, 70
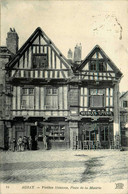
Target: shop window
125, 104
57, 132
51, 98
40, 61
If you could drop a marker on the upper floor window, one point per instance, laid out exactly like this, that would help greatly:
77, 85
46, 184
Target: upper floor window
96, 98
125, 104
51, 98
24, 91
27, 98
40, 61
97, 65
27, 91
51, 91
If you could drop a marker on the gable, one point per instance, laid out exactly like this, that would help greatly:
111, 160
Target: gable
98, 66
39, 58
124, 96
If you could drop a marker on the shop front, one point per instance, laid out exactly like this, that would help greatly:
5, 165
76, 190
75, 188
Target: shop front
57, 135
95, 135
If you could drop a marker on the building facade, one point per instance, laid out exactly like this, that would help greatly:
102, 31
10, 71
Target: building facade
75, 107
124, 118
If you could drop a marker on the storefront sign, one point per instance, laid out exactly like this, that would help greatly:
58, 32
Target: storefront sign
96, 113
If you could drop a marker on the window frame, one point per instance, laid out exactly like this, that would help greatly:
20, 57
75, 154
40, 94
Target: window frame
54, 134
24, 98
125, 103
38, 65
97, 95
95, 65
51, 94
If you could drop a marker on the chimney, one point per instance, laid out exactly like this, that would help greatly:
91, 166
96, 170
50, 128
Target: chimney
12, 41
70, 54
77, 53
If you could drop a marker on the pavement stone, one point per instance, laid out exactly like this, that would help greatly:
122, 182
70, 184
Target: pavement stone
66, 166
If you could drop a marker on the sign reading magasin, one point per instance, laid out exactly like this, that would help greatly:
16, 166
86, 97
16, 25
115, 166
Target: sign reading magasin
96, 113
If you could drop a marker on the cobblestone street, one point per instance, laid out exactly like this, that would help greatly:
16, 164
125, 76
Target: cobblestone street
64, 166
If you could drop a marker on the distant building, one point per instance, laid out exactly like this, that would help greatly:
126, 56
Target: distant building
124, 118
5, 57
43, 95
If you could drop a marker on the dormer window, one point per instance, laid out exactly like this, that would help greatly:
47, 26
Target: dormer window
97, 65
40, 61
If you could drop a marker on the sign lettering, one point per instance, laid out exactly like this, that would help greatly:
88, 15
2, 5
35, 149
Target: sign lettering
96, 113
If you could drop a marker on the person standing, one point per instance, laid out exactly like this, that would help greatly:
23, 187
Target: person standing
25, 143
14, 145
45, 142
19, 143
36, 142
30, 143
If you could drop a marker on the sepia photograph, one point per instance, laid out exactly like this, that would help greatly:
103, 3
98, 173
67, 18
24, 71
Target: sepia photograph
63, 97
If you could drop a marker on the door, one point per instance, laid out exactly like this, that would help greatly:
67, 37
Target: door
33, 134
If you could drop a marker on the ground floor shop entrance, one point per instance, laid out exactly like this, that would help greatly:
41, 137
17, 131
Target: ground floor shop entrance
34, 138
95, 135
59, 134
55, 133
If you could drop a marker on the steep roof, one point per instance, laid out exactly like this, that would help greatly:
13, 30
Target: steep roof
125, 93
104, 55
29, 41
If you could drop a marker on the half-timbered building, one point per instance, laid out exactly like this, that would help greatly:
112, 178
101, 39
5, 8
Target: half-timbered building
75, 107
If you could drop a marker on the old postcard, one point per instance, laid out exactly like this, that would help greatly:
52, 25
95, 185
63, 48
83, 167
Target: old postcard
64, 97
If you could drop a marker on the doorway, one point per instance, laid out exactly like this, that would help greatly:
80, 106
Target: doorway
33, 134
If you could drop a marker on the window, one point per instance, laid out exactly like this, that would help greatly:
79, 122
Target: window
97, 65
92, 66
96, 101
31, 91
57, 132
27, 98
97, 98
125, 104
51, 98
24, 91
40, 61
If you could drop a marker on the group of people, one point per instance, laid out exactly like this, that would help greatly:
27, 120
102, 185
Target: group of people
22, 144
27, 143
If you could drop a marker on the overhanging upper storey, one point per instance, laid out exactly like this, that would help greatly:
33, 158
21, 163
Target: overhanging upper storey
38, 59
98, 67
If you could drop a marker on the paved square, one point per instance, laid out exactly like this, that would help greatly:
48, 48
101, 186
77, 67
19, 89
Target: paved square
64, 166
